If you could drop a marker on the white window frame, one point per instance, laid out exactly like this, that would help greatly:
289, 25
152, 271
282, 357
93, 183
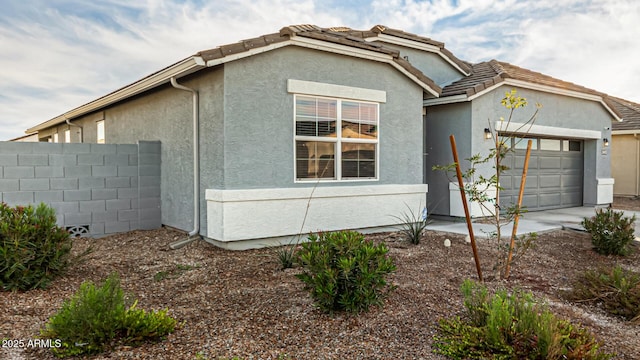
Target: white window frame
100, 131
338, 141
55, 137
67, 136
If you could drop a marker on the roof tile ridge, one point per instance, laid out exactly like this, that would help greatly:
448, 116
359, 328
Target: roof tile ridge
498, 68
295, 29
381, 29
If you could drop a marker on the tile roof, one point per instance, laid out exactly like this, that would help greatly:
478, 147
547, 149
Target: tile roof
489, 73
381, 29
337, 35
630, 114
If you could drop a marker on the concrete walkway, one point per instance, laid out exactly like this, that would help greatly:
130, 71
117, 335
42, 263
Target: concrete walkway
535, 221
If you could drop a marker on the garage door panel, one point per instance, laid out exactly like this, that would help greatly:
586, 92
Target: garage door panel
533, 162
574, 162
550, 200
531, 183
528, 201
572, 180
554, 178
571, 198
550, 181
550, 162
506, 183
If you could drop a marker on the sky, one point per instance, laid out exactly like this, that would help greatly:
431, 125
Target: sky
56, 55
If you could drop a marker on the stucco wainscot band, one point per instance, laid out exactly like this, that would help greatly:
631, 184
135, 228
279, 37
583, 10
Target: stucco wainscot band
242, 219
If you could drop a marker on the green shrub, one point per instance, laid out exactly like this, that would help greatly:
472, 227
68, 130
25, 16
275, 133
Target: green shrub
97, 317
343, 271
511, 326
33, 249
615, 289
611, 233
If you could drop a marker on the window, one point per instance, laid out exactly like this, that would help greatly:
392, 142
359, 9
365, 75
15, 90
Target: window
67, 136
335, 139
100, 127
521, 143
550, 144
571, 145
55, 137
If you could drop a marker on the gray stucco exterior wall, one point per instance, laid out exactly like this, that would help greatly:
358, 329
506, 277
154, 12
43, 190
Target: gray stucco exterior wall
101, 189
166, 114
443, 121
431, 64
246, 125
258, 129
467, 121
557, 111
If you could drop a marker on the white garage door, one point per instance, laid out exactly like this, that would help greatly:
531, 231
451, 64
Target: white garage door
554, 178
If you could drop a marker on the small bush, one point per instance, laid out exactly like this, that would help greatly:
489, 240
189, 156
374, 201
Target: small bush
615, 289
611, 233
343, 271
412, 225
286, 256
97, 317
511, 326
33, 249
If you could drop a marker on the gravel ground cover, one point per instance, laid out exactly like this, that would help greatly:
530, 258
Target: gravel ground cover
241, 304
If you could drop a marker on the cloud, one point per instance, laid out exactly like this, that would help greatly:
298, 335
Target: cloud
106, 45
597, 48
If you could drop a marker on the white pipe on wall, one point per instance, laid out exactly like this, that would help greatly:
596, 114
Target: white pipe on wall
193, 234
81, 129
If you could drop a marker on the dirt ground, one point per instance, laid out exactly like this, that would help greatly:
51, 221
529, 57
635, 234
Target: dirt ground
241, 303
626, 203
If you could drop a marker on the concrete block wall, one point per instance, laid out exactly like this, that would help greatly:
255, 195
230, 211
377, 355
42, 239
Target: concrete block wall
96, 189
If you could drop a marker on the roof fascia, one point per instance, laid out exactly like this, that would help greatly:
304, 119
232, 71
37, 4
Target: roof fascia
544, 130
547, 89
526, 85
446, 100
416, 45
244, 54
307, 43
360, 53
315, 44
182, 68
625, 132
194, 63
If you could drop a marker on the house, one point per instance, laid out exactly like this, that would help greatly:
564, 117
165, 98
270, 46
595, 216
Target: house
570, 162
625, 149
315, 128
26, 138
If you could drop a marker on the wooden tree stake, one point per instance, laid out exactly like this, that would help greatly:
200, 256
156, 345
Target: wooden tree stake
517, 216
452, 139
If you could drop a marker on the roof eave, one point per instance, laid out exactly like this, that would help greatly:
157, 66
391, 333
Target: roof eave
428, 86
527, 85
626, 132
445, 55
182, 68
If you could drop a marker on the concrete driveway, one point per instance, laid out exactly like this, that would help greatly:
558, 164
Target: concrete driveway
535, 221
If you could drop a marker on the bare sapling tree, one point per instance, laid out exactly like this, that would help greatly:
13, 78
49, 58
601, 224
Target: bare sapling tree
483, 187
